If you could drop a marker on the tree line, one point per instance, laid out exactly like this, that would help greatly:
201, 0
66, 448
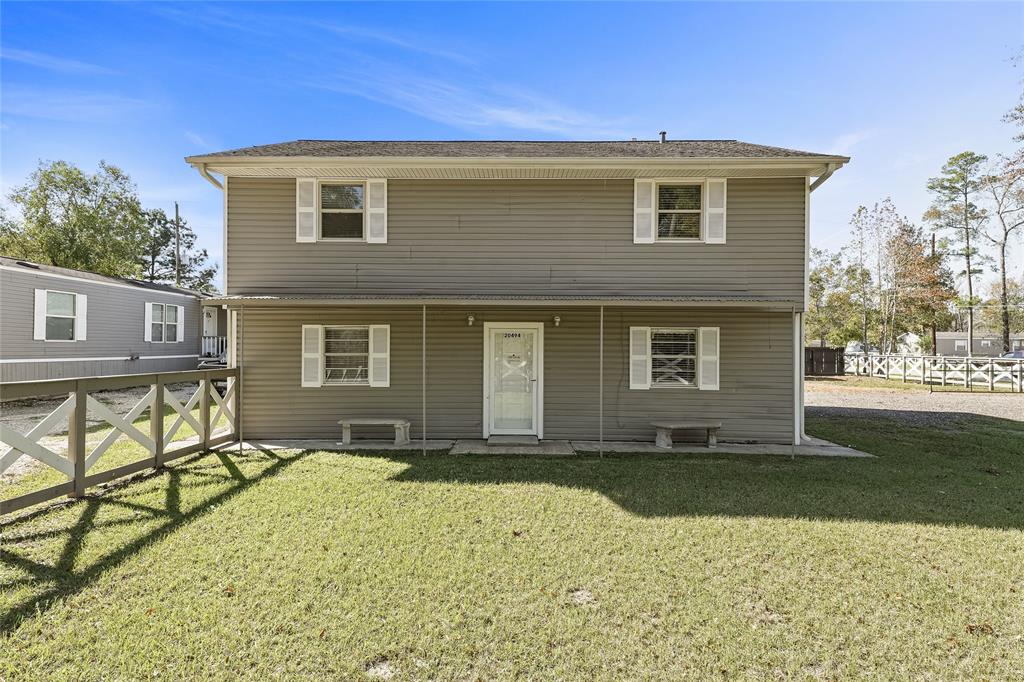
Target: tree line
894, 276
70, 218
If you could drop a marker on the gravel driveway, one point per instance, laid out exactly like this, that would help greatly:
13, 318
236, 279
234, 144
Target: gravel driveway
23, 415
914, 406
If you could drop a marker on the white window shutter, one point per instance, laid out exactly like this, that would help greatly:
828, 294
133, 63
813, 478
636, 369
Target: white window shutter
643, 211
181, 324
714, 212
148, 334
640, 358
39, 316
708, 358
305, 209
81, 316
312, 355
380, 355
377, 211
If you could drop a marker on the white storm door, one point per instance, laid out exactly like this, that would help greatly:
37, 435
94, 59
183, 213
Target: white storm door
209, 321
512, 375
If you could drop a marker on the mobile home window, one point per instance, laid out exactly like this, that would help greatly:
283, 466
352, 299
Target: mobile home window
165, 325
673, 357
60, 316
959, 345
679, 211
341, 211
347, 355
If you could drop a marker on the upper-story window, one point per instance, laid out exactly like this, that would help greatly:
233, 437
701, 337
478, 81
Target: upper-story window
341, 211
61, 311
679, 211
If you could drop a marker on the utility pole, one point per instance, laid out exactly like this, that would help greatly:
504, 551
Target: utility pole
177, 246
935, 347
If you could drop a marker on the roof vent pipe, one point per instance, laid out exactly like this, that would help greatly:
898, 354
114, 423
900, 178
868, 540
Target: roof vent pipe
664, 136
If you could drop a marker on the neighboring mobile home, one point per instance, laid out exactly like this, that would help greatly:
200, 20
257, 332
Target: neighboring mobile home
58, 323
986, 343
558, 289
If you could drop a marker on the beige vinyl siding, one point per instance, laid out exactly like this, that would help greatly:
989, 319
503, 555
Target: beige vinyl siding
755, 401
521, 236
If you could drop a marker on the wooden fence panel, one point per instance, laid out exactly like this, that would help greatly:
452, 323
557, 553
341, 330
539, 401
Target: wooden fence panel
76, 462
944, 370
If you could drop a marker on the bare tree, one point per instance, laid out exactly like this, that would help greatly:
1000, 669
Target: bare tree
1005, 190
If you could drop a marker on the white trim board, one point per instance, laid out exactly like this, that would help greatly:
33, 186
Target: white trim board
39, 273
538, 404
126, 357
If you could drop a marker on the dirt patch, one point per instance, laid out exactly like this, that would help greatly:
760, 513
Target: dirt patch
582, 597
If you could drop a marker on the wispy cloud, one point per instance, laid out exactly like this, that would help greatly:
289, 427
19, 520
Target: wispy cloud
467, 106
52, 63
197, 140
845, 143
68, 105
405, 42
442, 83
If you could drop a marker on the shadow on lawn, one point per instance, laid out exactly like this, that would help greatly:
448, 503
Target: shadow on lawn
965, 470
970, 471
64, 577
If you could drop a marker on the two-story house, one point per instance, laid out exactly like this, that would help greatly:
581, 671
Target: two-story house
568, 290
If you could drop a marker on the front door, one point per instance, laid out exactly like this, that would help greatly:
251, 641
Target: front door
209, 321
513, 389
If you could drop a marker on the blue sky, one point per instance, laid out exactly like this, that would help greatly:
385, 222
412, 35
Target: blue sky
899, 87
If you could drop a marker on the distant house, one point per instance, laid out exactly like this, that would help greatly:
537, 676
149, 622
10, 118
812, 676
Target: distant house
58, 323
908, 343
989, 344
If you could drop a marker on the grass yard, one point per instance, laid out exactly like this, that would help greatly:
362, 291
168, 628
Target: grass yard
277, 565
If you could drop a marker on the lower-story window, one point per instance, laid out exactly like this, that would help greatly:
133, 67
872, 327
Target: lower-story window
662, 357
673, 357
347, 355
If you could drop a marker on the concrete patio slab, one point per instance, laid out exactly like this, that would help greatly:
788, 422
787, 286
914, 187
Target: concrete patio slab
812, 447
544, 448
356, 446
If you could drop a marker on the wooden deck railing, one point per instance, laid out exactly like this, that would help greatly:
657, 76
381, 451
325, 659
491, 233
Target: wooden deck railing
78, 458
990, 373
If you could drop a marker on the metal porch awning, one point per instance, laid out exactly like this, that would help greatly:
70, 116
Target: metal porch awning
488, 299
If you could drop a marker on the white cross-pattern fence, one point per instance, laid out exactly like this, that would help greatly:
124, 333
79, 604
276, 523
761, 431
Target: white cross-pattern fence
79, 457
990, 373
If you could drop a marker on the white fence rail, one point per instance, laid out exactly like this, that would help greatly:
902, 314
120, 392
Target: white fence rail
990, 373
213, 346
159, 444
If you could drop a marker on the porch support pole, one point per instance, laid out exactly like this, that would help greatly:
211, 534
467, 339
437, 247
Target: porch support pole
241, 382
600, 386
423, 381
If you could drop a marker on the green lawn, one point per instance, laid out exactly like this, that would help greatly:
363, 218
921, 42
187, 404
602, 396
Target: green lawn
303, 565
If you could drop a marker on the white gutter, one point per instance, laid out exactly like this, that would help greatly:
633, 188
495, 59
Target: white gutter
830, 168
201, 167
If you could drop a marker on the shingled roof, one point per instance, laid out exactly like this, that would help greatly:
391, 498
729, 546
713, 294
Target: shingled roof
28, 267
639, 149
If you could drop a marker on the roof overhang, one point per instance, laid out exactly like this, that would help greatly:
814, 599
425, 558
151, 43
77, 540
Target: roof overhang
513, 168
537, 300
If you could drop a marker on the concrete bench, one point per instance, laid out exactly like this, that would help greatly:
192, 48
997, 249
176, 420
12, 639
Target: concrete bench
665, 429
401, 428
